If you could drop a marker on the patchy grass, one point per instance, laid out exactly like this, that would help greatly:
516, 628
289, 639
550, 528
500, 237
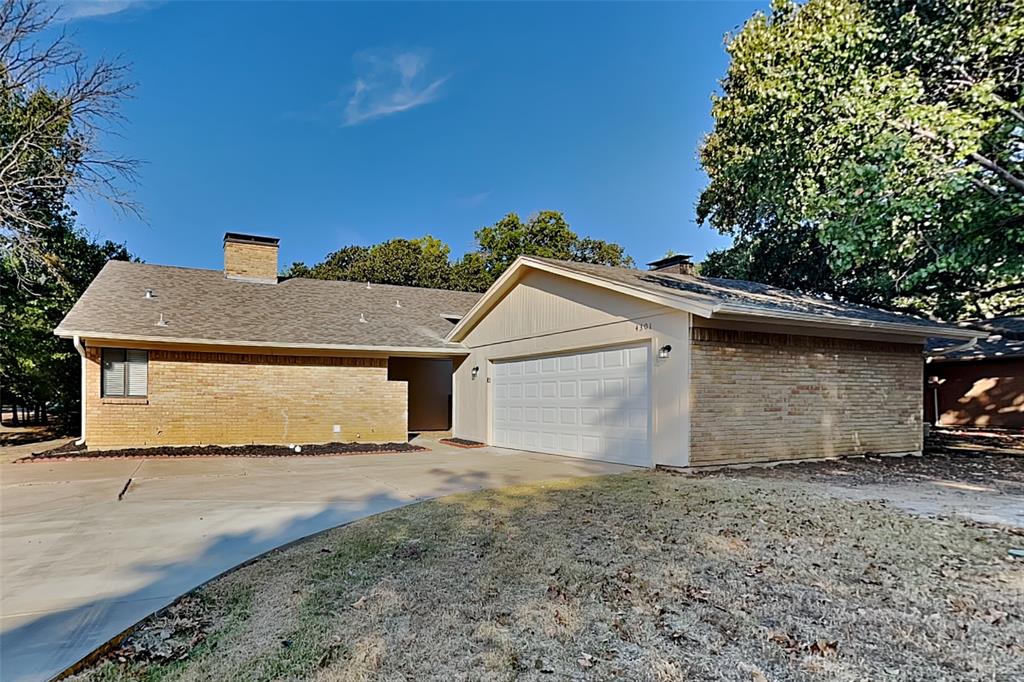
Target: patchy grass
645, 576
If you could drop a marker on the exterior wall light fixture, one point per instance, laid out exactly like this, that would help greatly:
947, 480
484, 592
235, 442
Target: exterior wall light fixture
664, 351
474, 372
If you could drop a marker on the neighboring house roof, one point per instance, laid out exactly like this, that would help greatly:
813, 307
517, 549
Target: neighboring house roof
717, 298
1005, 340
203, 306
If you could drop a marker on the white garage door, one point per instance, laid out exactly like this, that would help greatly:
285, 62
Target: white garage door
592, 404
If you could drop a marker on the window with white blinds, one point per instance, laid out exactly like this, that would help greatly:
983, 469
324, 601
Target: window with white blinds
125, 373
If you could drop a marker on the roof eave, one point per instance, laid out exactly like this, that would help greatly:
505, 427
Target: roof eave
705, 308
732, 311
141, 338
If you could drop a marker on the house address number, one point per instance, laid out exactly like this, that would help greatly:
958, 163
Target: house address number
644, 326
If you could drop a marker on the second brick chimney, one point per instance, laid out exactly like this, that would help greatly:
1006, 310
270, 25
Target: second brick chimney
250, 257
678, 263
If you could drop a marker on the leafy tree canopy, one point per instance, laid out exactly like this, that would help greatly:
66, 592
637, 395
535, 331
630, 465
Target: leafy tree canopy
37, 369
49, 150
425, 262
874, 150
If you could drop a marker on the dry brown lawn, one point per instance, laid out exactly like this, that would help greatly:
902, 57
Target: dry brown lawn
645, 576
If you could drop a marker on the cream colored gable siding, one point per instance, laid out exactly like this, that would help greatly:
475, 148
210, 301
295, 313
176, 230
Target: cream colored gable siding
545, 314
544, 304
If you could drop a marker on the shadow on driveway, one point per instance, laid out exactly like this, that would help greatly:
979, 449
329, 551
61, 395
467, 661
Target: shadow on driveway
85, 545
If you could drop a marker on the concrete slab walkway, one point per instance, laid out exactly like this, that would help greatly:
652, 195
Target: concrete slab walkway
78, 566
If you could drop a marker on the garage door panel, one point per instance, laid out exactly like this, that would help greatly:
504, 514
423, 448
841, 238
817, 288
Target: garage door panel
593, 404
614, 388
613, 358
614, 418
637, 418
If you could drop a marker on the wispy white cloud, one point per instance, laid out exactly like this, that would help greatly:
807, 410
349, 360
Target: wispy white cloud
388, 82
85, 9
473, 200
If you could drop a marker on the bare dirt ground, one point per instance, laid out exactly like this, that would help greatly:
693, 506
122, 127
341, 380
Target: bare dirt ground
971, 474
642, 576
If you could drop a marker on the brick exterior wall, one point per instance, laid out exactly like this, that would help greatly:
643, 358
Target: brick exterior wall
253, 261
767, 397
232, 399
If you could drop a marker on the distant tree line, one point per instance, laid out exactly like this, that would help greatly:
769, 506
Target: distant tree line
426, 261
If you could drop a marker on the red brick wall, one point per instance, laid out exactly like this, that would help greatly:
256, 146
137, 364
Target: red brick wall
982, 393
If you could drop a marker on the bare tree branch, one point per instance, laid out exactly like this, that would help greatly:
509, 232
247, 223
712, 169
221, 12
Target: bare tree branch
55, 107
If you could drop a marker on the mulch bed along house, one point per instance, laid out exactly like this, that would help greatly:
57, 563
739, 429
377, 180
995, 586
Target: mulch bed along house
463, 443
72, 451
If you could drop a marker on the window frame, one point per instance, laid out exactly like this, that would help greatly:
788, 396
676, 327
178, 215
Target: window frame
125, 372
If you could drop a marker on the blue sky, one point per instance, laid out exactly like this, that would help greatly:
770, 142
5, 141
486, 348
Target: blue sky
329, 124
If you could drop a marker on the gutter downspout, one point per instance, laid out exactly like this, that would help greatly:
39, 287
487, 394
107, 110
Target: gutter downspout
81, 351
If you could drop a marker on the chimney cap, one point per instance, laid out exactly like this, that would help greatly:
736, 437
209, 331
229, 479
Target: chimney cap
241, 238
669, 261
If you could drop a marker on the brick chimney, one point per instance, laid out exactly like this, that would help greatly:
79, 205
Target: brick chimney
250, 257
679, 264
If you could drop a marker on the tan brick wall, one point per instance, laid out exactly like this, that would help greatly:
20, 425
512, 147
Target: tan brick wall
257, 261
765, 397
229, 399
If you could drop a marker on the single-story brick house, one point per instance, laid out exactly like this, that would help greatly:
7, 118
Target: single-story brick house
981, 385
655, 367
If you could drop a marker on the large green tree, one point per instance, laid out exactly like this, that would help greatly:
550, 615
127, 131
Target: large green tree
425, 262
544, 234
421, 262
38, 370
874, 150
52, 106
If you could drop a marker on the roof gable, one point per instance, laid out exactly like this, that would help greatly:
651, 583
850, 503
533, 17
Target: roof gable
716, 298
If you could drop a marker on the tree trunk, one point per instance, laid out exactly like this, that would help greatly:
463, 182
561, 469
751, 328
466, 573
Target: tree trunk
14, 415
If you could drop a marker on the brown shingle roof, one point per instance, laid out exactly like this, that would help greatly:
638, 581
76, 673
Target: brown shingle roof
740, 295
203, 305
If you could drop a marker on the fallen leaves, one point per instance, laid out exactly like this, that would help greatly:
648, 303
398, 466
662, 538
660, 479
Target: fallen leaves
818, 647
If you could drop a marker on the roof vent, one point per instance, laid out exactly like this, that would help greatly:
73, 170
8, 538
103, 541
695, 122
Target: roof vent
149, 294
398, 304
161, 322
362, 318
367, 285
678, 263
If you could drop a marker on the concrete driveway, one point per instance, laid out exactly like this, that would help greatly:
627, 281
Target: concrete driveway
78, 566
